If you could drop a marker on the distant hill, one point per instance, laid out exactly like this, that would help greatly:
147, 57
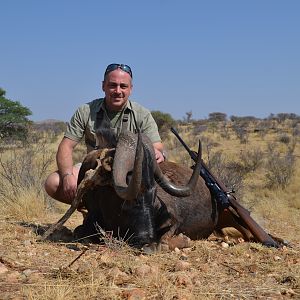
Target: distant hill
49, 121
57, 126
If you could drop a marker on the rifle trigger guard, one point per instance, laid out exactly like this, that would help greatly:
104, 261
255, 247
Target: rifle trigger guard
231, 192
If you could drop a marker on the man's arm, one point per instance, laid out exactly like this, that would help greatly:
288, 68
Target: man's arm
64, 161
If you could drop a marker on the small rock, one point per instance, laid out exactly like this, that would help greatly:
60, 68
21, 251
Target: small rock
22, 277
180, 241
182, 265
224, 245
3, 268
183, 280
12, 277
176, 250
134, 294
142, 270
27, 243
276, 258
118, 276
28, 272
145, 270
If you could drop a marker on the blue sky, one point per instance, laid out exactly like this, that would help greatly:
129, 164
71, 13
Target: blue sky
232, 56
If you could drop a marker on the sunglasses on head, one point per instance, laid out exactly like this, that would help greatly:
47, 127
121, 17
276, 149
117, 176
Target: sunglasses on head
113, 67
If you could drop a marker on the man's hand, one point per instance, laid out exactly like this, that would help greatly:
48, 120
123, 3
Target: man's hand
158, 148
69, 182
159, 156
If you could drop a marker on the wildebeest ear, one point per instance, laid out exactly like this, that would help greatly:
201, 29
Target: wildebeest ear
88, 163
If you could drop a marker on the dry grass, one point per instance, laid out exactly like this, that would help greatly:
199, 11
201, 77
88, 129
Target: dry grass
63, 270
25, 206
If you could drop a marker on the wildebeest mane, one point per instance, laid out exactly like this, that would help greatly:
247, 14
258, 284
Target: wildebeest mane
105, 136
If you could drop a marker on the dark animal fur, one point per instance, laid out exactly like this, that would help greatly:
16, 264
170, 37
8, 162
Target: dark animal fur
155, 215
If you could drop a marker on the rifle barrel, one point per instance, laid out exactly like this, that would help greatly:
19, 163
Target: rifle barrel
193, 155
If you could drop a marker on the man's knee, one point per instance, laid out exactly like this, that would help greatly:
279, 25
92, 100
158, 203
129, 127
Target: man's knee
52, 183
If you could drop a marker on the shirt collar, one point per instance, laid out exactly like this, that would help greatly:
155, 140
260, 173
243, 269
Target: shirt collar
102, 105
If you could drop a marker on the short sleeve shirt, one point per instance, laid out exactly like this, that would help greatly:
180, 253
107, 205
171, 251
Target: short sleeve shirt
83, 122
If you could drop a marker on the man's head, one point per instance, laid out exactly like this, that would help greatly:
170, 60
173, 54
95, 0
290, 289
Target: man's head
117, 86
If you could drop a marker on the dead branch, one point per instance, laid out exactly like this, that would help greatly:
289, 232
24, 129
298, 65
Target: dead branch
92, 178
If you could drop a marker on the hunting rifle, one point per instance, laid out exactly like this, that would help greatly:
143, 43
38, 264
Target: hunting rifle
225, 199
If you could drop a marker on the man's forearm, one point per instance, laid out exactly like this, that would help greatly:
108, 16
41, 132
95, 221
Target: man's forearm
64, 157
64, 162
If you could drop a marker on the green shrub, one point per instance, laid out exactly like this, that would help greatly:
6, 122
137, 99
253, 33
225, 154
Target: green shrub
164, 122
280, 168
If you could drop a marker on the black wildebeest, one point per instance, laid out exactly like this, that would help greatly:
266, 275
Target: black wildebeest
136, 199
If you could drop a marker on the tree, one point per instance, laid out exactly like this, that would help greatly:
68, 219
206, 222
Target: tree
164, 121
217, 117
13, 118
188, 118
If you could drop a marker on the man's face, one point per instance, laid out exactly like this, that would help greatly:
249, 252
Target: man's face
117, 87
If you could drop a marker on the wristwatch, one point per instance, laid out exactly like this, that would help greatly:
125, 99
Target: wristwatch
164, 153
65, 175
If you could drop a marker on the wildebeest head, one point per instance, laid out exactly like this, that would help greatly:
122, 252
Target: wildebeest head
131, 150
128, 168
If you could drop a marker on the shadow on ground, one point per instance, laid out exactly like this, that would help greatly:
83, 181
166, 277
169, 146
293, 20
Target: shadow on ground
64, 234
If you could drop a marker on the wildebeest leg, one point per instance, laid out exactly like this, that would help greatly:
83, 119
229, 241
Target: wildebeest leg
228, 218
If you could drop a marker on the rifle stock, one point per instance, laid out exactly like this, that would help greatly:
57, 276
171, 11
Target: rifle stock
256, 230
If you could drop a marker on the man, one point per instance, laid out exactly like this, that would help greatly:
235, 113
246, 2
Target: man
114, 108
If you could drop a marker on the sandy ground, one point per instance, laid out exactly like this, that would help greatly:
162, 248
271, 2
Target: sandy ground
211, 269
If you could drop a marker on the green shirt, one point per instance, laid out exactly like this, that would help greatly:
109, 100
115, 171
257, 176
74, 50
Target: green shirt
83, 122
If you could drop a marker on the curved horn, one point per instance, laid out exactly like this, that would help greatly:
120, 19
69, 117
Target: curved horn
161, 179
129, 157
180, 191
